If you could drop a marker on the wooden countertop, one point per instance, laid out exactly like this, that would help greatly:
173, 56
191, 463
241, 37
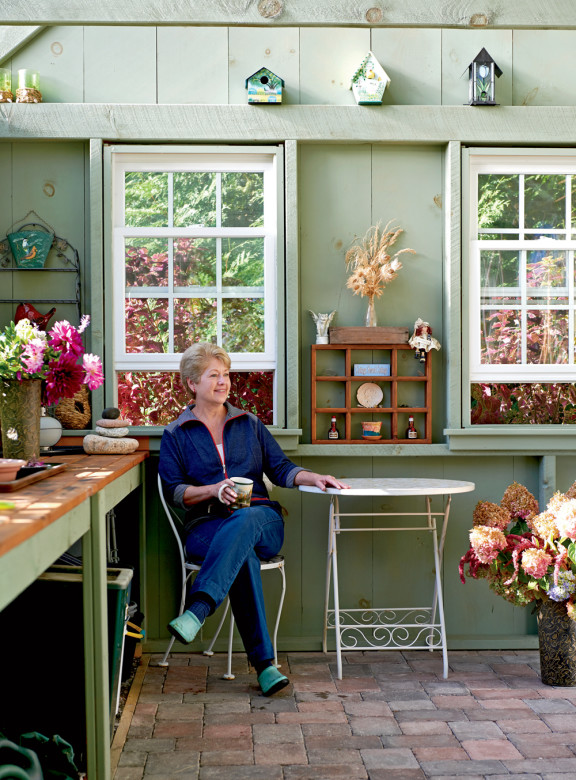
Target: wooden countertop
40, 504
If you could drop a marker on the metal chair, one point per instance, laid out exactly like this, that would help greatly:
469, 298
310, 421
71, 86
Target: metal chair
188, 569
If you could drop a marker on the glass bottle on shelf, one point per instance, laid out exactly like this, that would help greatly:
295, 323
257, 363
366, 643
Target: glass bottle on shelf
411, 432
333, 432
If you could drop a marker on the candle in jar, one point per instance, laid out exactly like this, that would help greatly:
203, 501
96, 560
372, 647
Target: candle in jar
28, 79
5, 80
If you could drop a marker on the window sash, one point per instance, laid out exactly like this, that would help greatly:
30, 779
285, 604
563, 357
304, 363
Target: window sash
521, 165
192, 161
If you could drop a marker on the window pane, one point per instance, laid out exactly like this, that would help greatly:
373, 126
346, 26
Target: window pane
157, 397
146, 199
500, 337
195, 199
547, 336
195, 262
498, 200
146, 324
545, 201
526, 403
243, 324
243, 262
242, 199
194, 320
499, 276
545, 273
146, 262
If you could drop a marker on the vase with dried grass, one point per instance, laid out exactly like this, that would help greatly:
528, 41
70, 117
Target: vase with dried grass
372, 266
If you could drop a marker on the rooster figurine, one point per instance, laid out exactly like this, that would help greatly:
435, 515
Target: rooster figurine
27, 311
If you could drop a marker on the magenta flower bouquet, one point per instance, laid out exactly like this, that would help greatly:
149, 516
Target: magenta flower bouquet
56, 357
526, 555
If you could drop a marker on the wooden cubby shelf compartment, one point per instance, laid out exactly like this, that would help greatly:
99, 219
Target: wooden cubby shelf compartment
335, 393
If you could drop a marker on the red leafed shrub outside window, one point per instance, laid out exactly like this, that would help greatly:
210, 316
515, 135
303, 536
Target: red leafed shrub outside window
157, 397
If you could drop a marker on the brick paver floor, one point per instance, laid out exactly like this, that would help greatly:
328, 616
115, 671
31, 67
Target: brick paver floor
393, 716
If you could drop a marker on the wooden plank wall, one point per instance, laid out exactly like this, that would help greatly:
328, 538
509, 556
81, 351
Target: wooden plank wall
208, 65
351, 168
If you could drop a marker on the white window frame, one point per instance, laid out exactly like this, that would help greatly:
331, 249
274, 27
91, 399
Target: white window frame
269, 161
508, 162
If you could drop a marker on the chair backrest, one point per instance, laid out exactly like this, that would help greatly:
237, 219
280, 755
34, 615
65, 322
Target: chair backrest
175, 523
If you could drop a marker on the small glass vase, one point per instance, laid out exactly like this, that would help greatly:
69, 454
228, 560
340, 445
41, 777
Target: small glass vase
20, 409
371, 319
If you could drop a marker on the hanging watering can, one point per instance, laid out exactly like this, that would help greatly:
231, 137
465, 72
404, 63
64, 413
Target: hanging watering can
30, 247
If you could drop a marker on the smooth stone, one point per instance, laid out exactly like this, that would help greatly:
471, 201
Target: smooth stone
111, 413
112, 433
119, 423
100, 445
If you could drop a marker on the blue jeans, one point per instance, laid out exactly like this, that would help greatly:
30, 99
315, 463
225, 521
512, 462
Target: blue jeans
231, 550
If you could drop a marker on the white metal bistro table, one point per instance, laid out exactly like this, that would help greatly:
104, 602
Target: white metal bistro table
388, 628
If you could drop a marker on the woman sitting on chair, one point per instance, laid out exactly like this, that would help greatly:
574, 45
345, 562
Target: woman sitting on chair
210, 440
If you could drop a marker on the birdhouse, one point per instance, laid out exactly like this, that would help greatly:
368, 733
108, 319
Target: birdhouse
481, 73
369, 82
264, 87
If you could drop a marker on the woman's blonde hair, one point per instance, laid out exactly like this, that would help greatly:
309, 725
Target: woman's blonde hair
195, 361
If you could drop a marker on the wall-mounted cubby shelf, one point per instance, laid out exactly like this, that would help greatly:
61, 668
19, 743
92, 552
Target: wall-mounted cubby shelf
407, 391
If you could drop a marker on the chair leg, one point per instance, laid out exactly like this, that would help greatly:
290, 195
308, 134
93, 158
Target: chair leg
278, 615
229, 675
164, 661
209, 650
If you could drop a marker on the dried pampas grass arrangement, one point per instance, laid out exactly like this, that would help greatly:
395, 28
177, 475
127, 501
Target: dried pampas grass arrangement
372, 266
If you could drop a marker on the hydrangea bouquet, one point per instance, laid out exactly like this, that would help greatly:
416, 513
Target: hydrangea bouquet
56, 357
526, 555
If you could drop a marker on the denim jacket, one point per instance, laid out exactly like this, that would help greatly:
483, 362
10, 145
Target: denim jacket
188, 456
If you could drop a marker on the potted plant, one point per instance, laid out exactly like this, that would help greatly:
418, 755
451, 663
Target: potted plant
37, 369
529, 557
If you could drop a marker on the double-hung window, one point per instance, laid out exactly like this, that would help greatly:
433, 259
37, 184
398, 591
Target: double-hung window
194, 258
521, 286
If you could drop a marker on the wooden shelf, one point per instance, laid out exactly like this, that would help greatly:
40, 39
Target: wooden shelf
407, 391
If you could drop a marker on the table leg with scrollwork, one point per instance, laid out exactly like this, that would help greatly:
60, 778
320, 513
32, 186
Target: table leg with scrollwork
386, 628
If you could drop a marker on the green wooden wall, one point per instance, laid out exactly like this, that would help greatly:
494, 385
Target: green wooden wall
355, 167
208, 65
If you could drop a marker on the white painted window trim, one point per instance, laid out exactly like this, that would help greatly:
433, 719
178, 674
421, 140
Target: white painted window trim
269, 160
513, 162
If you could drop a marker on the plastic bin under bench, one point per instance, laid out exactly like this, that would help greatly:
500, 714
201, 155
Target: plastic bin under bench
42, 655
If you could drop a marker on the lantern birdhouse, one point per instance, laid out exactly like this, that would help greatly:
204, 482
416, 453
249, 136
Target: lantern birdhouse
481, 73
264, 87
369, 82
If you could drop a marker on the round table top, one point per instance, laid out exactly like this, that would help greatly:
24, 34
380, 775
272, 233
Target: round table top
395, 486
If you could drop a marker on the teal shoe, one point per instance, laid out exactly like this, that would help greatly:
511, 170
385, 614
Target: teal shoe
185, 627
271, 681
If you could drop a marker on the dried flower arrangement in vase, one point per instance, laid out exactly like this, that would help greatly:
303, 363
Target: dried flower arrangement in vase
372, 266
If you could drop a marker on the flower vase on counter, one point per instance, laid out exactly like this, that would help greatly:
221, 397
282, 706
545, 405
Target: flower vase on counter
20, 408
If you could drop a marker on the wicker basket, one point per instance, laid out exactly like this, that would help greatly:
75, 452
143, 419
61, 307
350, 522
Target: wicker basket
75, 413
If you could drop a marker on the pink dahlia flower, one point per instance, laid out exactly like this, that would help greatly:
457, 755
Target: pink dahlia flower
33, 355
65, 338
535, 562
487, 542
92, 366
64, 378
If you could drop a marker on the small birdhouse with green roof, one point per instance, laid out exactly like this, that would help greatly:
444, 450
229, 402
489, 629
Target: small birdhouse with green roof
264, 87
369, 82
